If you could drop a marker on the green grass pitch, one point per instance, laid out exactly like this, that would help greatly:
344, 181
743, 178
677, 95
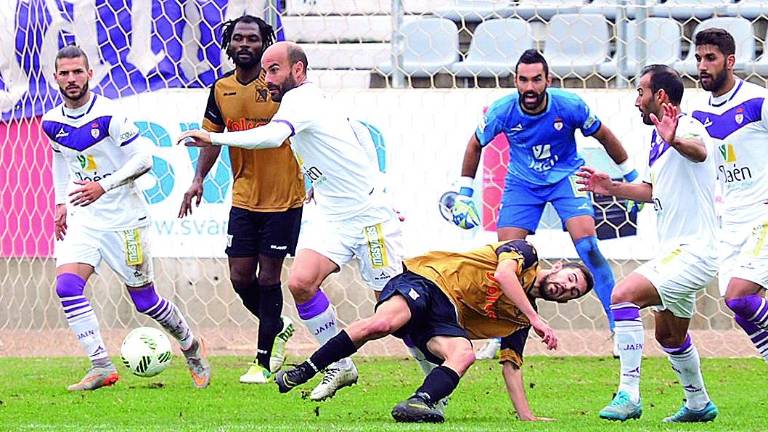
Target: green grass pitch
571, 389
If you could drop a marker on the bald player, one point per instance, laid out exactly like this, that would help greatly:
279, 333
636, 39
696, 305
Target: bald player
444, 299
352, 219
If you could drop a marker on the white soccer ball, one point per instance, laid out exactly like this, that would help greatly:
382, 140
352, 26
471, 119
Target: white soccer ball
146, 351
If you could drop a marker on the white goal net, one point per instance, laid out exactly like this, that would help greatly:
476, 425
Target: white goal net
420, 72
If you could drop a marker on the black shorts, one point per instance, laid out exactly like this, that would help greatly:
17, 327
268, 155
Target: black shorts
251, 233
432, 313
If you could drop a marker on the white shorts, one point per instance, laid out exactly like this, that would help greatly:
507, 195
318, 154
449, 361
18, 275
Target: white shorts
374, 240
127, 252
744, 255
679, 273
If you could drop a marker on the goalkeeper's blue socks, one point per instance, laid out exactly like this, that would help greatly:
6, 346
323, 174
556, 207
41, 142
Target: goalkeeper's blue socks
441, 382
589, 253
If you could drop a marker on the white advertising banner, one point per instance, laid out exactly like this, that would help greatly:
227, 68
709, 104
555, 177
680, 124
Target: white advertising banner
425, 133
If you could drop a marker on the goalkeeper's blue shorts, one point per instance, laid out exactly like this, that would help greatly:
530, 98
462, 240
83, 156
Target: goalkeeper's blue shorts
522, 204
432, 313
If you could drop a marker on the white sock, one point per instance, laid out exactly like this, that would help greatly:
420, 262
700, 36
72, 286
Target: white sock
687, 365
323, 327
83, 323
425, 365
629, 339
169, 316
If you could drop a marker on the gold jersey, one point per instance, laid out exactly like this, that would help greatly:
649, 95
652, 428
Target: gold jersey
467, 279
266, 180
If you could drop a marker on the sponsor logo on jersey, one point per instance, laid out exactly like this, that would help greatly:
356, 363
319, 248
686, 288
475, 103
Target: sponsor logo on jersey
558, 124
542, 151
87, 163
732, 173
728, 153
591, 119
62, 133
234, 93
376, 247
492, 294
518, 128
134, 255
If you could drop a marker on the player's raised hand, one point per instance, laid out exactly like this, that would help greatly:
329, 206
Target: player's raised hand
546, 333
666, 127
87, 194
195, 192
594, 181
60, 221
195, 138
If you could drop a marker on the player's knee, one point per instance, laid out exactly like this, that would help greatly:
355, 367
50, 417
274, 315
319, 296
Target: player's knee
69, 285
267, 278
464, 358
668, 339
302, 287
622, 294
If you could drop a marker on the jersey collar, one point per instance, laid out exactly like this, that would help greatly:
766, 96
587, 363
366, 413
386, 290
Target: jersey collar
724, 99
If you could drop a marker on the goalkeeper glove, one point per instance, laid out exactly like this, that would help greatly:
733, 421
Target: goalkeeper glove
628, 172
464, 211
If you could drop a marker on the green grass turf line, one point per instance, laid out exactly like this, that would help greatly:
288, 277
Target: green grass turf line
33, 396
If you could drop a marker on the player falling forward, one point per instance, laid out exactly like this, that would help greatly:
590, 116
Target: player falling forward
352, 218
539, 124
680, 182
97, 153
736, 117
444, 299
267, 192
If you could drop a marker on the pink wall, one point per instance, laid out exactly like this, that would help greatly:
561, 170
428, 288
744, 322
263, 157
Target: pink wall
495, 160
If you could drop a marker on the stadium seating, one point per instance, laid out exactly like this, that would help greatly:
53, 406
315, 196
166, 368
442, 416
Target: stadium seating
347, 56
431, 46
760, 66
496, 46
609, 8
662, 46
749, 9
473, 10
544, 9
337, 28
685, 9
740, 28
576, 44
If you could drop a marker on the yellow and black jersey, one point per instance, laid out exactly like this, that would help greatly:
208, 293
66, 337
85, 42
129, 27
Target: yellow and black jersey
467, 279
266, 180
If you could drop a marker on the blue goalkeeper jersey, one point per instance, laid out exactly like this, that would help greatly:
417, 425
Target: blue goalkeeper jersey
542, 147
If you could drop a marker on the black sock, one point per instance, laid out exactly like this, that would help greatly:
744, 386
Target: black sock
270, 323
441, 382
337, 348
249, 294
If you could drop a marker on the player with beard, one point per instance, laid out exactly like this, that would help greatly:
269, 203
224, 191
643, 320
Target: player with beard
267, 191
539, 122
101, 216
736, 117
680, 181
441, 301
352, 218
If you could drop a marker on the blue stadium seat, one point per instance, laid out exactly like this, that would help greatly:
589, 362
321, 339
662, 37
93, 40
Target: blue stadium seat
473, 10
543, 9
749, 9
662, 46
431, 46
495, 48
686, 9
740, 28
609, 8
577, 44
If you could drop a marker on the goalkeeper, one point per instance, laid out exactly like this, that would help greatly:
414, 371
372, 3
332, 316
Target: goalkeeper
539, 124
444, 299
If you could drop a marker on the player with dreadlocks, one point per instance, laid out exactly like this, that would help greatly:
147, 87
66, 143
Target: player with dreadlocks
267, 191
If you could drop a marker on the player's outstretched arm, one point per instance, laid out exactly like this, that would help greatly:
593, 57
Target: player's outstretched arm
616, 151
692, 147
271, 135
601, 183
513, 379
506, 276
471, 157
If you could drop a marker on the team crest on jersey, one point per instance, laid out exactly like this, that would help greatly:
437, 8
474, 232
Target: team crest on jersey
558, 124
739, 117
95, 130
262, 95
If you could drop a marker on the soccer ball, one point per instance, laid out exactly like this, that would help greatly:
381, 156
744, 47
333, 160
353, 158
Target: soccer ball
146, 351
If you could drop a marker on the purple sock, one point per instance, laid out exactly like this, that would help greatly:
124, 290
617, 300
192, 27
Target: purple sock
758, 336
314, 307
685, 346
164, 312
752, 308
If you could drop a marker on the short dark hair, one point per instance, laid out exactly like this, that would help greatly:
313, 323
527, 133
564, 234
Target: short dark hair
265, 30
665, 78
531, 56
588, 278
717, 37
296, 54
71, 52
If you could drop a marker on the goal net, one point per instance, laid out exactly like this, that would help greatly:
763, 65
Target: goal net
419, 72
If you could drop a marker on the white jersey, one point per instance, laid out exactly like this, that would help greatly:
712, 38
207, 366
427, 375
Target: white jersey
738, 123
95, 140
329, 152
683, 190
